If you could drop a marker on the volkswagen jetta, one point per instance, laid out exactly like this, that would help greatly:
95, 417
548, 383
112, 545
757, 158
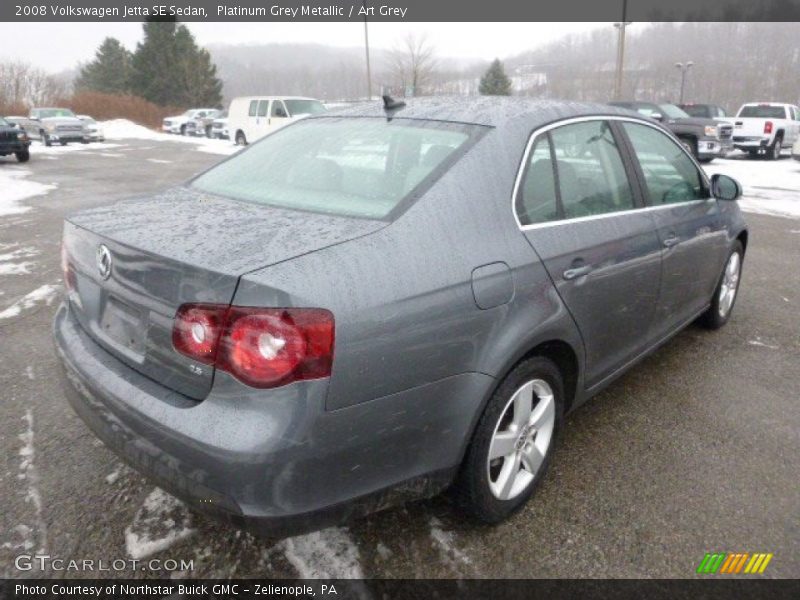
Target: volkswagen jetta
377, 304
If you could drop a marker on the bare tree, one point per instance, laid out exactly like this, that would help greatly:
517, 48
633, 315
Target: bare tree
412, 63
22, 85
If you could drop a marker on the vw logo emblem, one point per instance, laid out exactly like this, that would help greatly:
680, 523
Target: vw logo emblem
103, 260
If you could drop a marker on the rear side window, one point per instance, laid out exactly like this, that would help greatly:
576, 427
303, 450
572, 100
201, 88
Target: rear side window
762, 112
698, 110
263, 106
253, 107
363, 167
670, 174
574, 171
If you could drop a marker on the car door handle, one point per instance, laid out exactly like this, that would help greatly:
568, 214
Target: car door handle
671, 241
577, 272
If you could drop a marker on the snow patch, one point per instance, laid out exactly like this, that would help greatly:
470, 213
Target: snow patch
45, 293
7, 267
15, 188
159, 161
758, 342
445, 540
162, 521
55, 150
29, 373
120, 129
29, 474
327, 554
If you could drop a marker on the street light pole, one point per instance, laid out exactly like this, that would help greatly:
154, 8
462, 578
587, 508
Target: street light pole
620, 51
684, 68
366, 50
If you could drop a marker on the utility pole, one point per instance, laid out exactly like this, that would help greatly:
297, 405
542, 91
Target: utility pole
684, 67
366, 50
620, 50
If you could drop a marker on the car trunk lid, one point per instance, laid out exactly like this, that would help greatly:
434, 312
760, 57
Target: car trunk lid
178, 247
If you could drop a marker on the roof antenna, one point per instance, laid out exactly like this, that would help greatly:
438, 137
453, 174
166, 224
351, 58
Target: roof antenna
390, 103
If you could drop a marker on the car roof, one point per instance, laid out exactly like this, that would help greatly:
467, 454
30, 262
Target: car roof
493, 111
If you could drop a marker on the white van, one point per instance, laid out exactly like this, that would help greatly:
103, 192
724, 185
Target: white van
252, 117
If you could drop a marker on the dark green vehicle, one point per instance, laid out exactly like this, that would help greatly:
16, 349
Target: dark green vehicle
14, 140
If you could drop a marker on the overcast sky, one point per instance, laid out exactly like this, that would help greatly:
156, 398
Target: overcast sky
59, 46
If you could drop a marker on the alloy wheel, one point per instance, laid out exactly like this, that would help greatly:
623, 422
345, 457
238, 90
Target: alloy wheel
521, 439
730, 284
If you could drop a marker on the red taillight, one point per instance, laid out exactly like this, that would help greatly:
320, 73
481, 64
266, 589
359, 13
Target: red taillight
66, 270
768, 127
196, 331
262, 347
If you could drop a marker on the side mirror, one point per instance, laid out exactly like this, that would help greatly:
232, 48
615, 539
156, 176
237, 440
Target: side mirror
657, 116
725, 188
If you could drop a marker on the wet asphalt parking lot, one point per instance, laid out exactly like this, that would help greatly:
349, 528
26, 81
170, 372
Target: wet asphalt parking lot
697, 449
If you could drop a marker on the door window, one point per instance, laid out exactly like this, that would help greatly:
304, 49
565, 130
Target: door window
591, 176
253, 107
536, 202
278, 109
671, 176
574, 171
262, 108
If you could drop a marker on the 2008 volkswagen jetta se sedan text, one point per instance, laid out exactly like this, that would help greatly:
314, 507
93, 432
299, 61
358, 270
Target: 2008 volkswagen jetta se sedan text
382, 303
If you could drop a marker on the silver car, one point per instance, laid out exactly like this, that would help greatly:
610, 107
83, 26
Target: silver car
384, 302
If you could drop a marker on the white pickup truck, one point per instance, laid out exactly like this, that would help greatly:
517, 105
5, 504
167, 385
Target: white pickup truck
766, 127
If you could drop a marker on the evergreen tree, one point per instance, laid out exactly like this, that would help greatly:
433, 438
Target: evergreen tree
110, 70
169, 68
495, 82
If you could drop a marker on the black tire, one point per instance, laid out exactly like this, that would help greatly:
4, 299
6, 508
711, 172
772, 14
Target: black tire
23, 155
774, 151
690, 145
209, 131
713, 318
183, 129
241, 140
752, 153
46, 139
705, 161
472, 490
63, 143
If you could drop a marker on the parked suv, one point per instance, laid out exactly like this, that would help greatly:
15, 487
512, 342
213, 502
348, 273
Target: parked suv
767, 128
705, 138
14, 140
59, 125
186, 123
371, 306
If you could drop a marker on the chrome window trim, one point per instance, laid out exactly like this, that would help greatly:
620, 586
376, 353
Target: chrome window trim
572, 120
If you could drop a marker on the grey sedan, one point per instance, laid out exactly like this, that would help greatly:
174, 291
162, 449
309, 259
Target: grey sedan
382, 303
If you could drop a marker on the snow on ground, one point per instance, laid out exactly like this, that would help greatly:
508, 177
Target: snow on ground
15, 188
121, 129
771, 187
29, 474
162, 521
446, 543
38, 149
45, 293
13, 263
327, 554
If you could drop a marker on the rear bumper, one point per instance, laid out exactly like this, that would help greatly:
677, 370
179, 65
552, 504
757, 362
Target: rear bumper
751, 143
279, 464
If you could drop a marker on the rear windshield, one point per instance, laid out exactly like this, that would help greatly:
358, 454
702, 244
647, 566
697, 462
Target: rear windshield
362, 167
762, 112
304, 107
